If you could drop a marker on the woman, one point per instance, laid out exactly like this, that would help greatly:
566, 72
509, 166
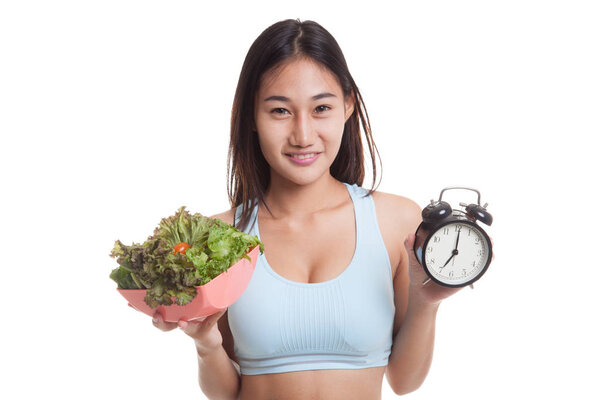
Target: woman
337, 300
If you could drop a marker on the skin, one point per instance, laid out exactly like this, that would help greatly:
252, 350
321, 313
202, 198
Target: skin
307, 197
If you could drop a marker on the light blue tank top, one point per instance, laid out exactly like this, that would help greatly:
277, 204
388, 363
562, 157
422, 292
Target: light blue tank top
279, 325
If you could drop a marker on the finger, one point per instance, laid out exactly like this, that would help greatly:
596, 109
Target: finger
204, 322
160, 323
192, 327
212, 319
416, 272
409, 242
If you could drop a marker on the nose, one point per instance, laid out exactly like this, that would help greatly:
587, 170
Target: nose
303, 134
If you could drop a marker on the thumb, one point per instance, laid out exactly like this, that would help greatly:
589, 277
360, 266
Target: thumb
201, 322
205, 322
409, 242
212, 319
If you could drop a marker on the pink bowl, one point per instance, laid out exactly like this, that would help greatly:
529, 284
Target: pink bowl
216, 295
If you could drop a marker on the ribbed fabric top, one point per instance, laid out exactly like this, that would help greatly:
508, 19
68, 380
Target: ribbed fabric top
279, 325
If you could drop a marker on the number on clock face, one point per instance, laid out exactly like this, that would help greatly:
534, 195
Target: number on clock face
456, 264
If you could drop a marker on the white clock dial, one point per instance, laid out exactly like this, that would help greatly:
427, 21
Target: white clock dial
456, 253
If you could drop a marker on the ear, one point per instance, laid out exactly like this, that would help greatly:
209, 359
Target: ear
349, 103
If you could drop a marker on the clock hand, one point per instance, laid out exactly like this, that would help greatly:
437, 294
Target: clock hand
451, 257
454, 252
457, 238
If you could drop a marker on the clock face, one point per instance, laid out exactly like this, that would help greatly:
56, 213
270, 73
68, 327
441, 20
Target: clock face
457, 254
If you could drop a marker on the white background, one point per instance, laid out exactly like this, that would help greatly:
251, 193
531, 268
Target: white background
115, 113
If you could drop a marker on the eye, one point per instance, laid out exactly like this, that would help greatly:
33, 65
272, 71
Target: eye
322, 108
279, 110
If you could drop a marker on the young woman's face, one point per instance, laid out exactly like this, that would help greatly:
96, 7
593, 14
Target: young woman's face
300, 115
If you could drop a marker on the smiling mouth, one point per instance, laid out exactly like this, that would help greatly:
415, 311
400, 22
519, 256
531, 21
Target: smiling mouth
302, 156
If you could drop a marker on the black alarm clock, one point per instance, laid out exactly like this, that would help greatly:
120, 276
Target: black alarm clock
450, 244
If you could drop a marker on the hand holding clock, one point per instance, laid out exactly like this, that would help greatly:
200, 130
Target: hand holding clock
429, 293
425, 294
435, 237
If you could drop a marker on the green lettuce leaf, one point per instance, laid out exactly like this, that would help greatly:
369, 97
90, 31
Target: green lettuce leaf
171, 278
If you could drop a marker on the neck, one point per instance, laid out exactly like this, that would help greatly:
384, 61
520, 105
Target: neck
288, 199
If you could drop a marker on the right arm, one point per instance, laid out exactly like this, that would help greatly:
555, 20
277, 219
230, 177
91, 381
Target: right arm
218, 376
218, 372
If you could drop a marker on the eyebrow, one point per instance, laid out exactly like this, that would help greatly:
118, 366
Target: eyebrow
287, 100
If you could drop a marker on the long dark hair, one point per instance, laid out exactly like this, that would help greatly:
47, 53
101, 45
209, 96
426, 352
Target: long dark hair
247, 170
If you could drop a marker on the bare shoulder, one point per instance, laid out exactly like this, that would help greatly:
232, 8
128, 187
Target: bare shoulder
401, 211
225, 216
397, 217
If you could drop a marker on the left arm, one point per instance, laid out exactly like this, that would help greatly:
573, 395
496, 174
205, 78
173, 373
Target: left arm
416, 310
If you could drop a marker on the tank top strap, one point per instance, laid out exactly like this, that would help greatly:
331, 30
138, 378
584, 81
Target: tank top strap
364, 210
371, 246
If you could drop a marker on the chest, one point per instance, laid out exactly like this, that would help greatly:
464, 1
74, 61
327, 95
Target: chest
320, 247
314, 250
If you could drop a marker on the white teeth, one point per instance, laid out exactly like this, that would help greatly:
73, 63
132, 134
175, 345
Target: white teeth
303, 156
